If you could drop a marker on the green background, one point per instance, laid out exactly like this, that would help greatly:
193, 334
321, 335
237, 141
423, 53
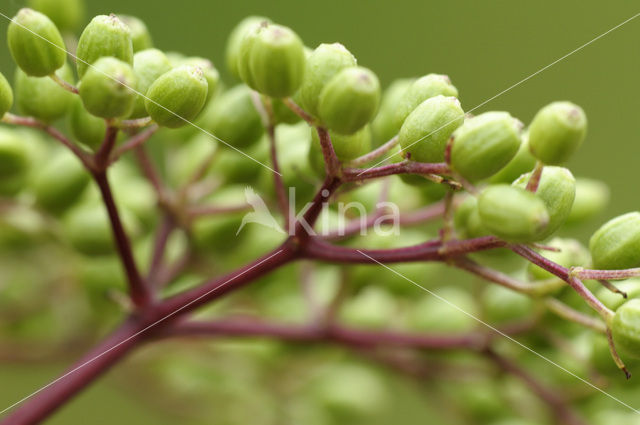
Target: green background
484, 46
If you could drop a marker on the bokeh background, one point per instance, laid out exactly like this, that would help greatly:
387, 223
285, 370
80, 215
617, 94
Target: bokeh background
484, 46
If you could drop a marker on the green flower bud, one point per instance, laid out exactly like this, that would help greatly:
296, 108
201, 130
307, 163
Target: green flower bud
177, 96
41, 97
6, 96
104, 36
347, 147
235, 40
616, 245
282, 114
431, 314
484, 144
66, 14
322, 65
234, 119
35, 43
140, 36
107, 89
371, 309
148, 65
89, 232
557, 131
613, 301
245, 52
60, 182
276, 61
512, 213
557, 189
14, 162
427, 129
571, 254
592, 197
626, 328
210, 73
423, 88
235, 168
86, 128
467, 220
349, 100
384, 125
521, 163
503, 305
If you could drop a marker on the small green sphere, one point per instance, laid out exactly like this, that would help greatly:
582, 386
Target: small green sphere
427, 129
148, 65
592, 197
140, 36
104, 36
6, 96
350, 100
557, 131
177, 97
423, 88
14, 161
322, 65
43, 98
59, 184
484, 144
210, 73
233, 118
384, 125
108, 88
467, 220
557, 189
625, 328
276, 61
235, 40
512, 213
521, 163
35, 43
616, 245
86, 128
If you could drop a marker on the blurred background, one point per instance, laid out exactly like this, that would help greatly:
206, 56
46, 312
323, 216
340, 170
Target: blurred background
485, 47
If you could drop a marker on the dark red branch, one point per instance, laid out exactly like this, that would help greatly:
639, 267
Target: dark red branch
406, 167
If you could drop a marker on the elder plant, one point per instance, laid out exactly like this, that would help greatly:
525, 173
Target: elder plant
132, 164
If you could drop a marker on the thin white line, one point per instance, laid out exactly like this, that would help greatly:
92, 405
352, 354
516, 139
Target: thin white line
213, 136
135, 335
516, 84
501, 333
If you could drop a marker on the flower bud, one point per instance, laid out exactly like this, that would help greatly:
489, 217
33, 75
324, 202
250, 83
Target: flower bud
35, 43
349, 100
425, 132
557, 189
625, 328
6, 96
616, 245
467, 220
423, 88
612, 300
104, 36
41, 97
245, 51
571, 254
140, 36
484, 144
282, 114
66, 14
592, 197
503, 305
557, 131
86, 128
521, 163
59, 184
233, 118
107, 89
148, 66
276, 61
384, 125
512, 213
347, 147
322, 65
177, 96
14, 162
235, 40
210, 73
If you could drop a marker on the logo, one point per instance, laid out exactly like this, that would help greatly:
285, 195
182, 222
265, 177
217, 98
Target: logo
260, 214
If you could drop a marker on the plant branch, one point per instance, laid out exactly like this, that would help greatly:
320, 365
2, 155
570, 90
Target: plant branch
405, 167
64, 84
134, 142
374, 154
